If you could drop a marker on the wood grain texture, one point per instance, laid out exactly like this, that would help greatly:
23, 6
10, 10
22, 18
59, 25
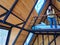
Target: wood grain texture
56, 3
22, 10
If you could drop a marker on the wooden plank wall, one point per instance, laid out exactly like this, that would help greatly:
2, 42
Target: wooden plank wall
56, 3
39, 41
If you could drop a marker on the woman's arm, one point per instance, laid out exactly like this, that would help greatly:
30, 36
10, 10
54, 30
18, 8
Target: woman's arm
47, 12
53, 11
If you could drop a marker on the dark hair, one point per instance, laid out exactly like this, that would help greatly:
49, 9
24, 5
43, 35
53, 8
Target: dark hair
50, 9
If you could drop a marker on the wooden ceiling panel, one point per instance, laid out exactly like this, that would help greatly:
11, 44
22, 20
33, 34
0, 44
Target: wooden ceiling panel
2, 11
4, 26
13, 20
7, 3
13, 35
21, 38
23, 8
2, 18
56, 3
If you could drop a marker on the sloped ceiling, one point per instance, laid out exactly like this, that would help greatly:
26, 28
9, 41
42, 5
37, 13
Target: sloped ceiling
56, 3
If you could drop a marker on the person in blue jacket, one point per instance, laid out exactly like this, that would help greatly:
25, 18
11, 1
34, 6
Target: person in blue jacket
51, 18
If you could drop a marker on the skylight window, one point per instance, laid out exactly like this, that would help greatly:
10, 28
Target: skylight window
39, 5
3, 36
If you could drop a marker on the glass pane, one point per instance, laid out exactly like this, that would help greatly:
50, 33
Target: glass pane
29, 38
39, 5
3, 36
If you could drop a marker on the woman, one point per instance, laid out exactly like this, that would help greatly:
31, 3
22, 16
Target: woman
51, 17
